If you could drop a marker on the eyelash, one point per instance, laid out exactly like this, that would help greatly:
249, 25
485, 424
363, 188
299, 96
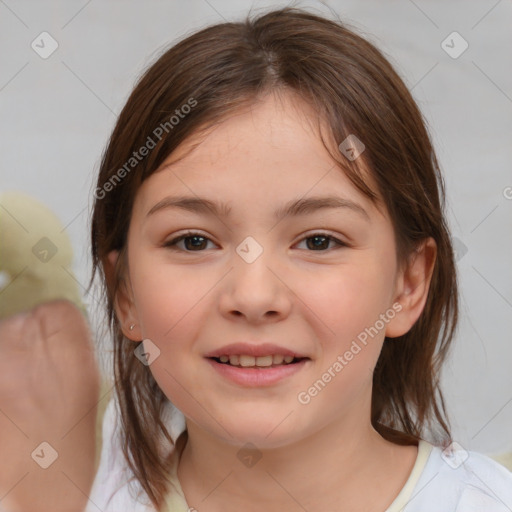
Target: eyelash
171, 244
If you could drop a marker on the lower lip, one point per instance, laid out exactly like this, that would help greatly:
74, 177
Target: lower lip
256, 377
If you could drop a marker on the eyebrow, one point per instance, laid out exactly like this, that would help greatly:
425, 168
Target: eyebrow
292, 208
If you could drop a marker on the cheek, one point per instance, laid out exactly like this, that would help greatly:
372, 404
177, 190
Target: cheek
167, 298
345, 306
345, 300
170, 309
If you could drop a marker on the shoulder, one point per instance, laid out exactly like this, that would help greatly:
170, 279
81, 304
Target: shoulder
457, 480
114, 487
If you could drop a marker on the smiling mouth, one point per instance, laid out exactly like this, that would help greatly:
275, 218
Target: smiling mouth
246, 361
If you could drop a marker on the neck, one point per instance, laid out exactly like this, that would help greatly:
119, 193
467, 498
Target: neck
331, 466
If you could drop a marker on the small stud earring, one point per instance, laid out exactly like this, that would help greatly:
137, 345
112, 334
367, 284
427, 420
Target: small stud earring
132, 327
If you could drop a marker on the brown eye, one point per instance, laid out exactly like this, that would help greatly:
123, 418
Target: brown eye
320, 242
195, 243
191, 242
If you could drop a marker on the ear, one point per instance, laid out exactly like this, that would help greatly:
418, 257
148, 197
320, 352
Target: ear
411, 288
123, 301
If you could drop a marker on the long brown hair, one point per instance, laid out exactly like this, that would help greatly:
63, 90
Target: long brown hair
216, 72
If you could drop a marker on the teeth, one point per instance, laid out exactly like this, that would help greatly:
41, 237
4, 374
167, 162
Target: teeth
261, 361
264, 361
246, 360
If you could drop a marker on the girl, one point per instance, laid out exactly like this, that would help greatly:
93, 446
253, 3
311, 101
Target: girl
280, 283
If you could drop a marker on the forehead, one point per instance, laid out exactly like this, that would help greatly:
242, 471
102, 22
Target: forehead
269, 152
280, 120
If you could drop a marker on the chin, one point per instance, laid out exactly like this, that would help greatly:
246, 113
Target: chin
265, 434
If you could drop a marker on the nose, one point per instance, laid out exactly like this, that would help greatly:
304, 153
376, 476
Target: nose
256, 292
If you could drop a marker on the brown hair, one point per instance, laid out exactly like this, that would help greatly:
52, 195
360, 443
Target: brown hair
355, 90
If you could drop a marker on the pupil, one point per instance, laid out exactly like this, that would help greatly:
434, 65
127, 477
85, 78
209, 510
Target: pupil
318, 242
198, 242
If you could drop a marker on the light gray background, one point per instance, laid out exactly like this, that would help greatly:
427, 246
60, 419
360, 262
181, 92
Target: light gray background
56, 116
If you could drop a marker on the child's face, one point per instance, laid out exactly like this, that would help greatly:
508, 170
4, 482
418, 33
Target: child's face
309, 296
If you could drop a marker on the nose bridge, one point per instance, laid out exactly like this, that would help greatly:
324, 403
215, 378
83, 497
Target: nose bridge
254, 290
250, 250
251, 263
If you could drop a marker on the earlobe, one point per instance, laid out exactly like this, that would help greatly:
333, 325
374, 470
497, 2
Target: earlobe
413, 287
123, 301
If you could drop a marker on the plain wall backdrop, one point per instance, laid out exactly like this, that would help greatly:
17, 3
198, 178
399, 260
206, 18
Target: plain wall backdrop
57, 114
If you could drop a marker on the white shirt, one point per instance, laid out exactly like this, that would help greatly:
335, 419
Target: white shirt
441, 481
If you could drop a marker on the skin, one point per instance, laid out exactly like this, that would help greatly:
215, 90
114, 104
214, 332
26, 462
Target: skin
313, 456
49, 390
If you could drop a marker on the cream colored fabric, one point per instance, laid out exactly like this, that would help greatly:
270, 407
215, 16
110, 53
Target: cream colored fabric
504, 459
424, 449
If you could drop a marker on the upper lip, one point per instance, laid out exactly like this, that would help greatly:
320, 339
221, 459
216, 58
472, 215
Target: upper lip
255, 349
